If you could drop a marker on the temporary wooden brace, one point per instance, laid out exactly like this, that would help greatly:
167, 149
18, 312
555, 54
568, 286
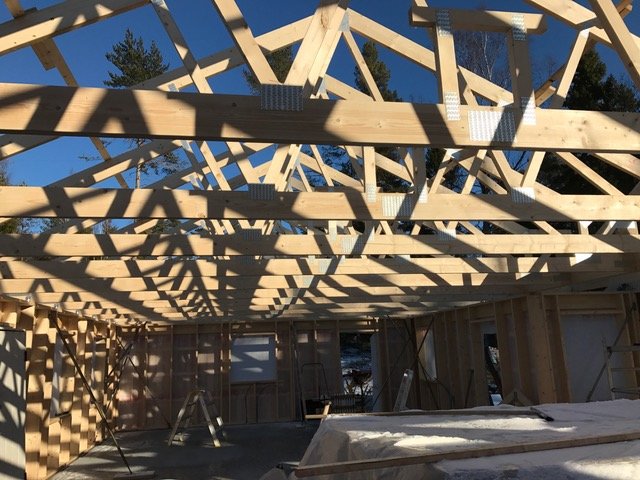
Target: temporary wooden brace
188, 410
143, 379
115, 374
403, 393
53, 318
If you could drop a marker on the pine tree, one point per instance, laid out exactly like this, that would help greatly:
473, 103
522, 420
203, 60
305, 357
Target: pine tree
379, 71
381, 76
136, 64
591, 89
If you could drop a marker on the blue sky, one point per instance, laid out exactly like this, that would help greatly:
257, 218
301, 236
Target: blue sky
84, 50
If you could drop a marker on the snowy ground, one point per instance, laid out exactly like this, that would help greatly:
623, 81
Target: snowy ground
357, 437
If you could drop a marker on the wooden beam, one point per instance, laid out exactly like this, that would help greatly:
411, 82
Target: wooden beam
137, 284
422, 56
135, 245
312, 295
613, 263
477, 20
50, 110
63, 17
245, 41
73, 202
476, 452
575, 15
623, 41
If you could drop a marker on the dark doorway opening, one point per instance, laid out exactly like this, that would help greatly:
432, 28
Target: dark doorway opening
357, 381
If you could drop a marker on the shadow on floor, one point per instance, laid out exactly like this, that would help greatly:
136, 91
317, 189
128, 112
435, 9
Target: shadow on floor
248, 452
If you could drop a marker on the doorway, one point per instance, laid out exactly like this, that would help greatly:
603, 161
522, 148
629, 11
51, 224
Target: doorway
357, 378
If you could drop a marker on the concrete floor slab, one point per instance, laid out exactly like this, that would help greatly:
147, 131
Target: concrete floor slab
248, 452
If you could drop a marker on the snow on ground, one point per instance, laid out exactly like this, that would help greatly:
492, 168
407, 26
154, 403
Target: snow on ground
357, 437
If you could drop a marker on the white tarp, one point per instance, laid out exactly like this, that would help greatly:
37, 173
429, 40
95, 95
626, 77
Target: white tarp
359, 437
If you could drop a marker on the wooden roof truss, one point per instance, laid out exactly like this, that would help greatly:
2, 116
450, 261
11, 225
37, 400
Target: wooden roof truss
255, 239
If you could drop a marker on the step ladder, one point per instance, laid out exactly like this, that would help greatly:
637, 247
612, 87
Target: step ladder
624, 390
403, 392
188, 411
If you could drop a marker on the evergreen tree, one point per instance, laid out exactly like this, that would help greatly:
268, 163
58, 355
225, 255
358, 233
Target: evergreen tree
591, 89
379, 71
136, 64
382, 76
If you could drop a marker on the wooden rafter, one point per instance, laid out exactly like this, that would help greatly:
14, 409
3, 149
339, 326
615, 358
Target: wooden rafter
345, 247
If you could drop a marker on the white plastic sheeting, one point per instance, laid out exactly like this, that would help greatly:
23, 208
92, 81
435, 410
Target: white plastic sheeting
358, 437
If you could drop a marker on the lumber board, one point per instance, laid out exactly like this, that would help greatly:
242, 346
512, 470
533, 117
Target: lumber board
54, 110
422, 56
146, 298
477, 20
37, 25
79, 202
245, 41
623, 41
134, 245
273, 281
489, 451
614, 263
577, 16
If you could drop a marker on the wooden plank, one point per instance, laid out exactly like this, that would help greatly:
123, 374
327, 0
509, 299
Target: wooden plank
478, 363
623, 41
477, 20
420, 55
374, 91
246, 43
456, 375
556, 342
493, 450
588, 173
78, 414
301, 281
522, 347
41, 269
447, 68
539, 334
136, 298
319, 39
465, 355
122, 245
63, 17
39, 374
211, 65
521, 75
49, 110
77, 202
504, 346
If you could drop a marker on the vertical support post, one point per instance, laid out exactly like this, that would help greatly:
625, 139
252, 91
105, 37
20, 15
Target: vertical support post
446, 67
504, 347
39, 374
556, 344
542, 363
522, 347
